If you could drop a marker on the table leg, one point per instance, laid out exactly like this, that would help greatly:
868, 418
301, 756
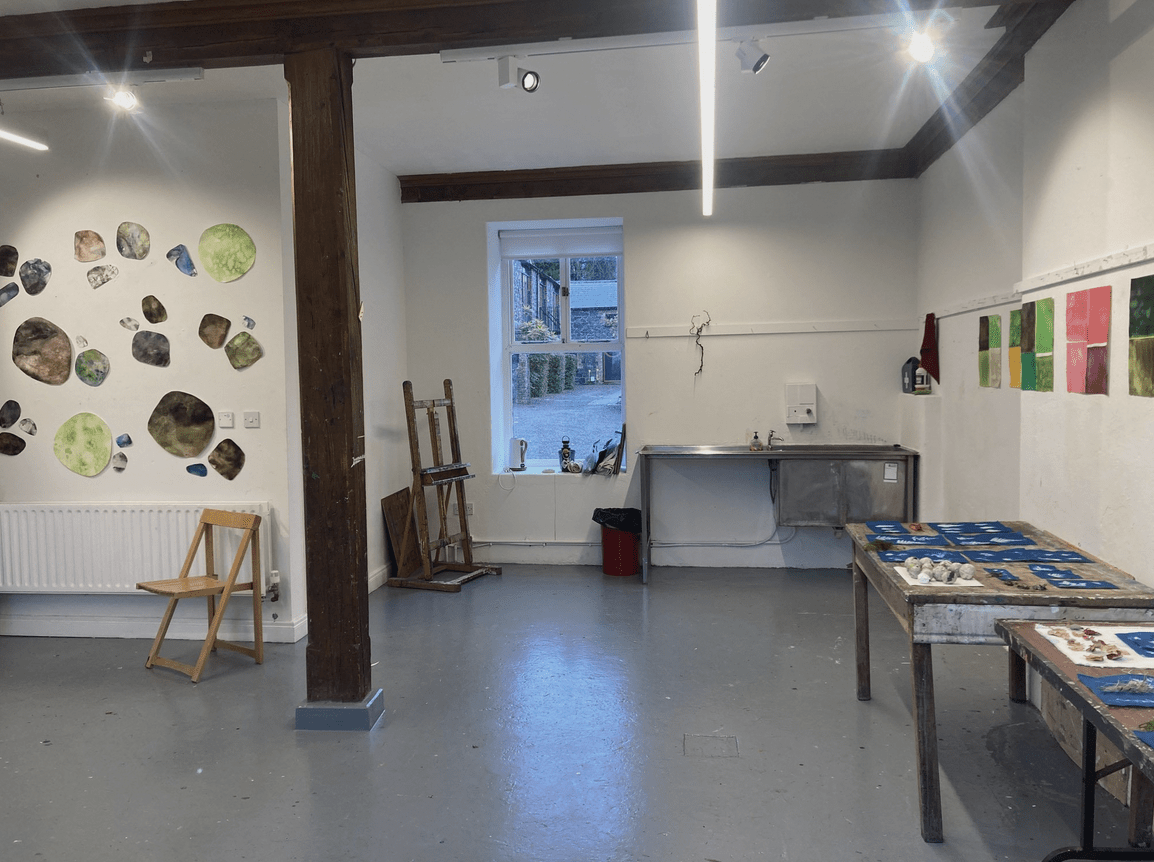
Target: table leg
1141, 803
926, 733
1017, 669
643, 470
861, 622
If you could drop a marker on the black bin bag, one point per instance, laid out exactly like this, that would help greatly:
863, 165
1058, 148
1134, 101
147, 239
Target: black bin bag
626, 520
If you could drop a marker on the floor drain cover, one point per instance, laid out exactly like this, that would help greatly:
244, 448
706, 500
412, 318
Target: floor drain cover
710, 746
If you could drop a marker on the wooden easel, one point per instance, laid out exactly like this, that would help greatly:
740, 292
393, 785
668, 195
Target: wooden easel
445, 478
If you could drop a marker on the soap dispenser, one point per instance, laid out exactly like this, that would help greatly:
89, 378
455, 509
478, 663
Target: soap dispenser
755, 444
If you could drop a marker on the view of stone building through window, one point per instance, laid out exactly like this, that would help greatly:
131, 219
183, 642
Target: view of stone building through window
565, 363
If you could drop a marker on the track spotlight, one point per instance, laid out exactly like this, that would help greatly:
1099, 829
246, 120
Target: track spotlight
508, 75
752, 58
123, 98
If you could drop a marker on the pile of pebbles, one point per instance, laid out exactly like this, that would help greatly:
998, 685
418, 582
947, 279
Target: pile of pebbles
926, 570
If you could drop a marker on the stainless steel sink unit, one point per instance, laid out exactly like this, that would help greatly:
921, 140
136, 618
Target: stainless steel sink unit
824, 484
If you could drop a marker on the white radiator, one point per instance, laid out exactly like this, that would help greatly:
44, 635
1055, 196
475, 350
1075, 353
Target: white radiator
106, 547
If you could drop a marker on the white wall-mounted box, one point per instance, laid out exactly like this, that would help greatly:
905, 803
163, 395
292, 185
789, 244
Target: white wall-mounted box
801, 403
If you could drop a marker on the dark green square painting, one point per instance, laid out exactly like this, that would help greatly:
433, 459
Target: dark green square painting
1142, 336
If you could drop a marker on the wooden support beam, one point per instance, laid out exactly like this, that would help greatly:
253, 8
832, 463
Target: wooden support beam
645, 177
330, 362
216, 33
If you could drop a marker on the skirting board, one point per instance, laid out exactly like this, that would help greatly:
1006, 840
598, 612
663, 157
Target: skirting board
108, 626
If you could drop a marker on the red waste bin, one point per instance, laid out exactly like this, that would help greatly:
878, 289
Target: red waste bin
620, 552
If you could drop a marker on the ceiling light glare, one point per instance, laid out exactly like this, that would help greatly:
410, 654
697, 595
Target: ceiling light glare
752, 58
509, 76
123, 99
921, 47
22, 141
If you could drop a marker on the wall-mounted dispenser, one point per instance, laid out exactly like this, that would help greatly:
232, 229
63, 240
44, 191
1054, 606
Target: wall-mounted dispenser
801, 403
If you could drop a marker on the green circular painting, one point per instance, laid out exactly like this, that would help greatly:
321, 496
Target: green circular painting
84, 444
227, 252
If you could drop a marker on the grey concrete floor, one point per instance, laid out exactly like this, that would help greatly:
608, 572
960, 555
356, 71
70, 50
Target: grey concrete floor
546, 714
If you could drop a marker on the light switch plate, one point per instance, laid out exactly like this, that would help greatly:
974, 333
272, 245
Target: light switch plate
226, 419
251, 419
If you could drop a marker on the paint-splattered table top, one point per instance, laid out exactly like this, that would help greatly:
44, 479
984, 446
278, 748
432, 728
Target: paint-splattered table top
1122, 725
1016, 564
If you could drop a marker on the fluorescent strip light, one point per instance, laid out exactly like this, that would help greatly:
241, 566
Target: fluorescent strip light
707, 73
22, 141
100, 79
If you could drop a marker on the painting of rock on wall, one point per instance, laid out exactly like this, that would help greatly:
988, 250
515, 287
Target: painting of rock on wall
990, 351
1014, 349
1087, 337
1038, 346
1142, 336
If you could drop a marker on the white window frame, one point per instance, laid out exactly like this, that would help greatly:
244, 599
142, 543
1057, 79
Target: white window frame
542, 240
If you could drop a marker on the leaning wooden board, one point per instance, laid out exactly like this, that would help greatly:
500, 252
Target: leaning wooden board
966, 613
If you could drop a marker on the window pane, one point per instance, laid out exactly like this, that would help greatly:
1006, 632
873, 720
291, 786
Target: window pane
536, 300
574, 395
593, 298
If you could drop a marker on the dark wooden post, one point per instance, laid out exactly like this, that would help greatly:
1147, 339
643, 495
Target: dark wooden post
332, 403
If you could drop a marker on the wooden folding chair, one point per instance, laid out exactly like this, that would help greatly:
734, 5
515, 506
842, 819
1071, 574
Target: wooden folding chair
210, 585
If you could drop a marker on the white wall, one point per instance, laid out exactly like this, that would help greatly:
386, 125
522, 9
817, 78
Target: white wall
784, 255
384, 341
970, 250
1072, 142
1088, 187
177, 171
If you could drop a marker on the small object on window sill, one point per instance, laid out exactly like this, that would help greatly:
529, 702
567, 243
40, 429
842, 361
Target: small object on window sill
549, 470
755, 444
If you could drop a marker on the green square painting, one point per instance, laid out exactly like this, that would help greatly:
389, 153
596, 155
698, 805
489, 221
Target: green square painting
1142, 336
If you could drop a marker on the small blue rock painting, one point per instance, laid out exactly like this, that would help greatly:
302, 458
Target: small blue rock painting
130, 324
28, 427
9, 413
8, 292
92, 367
9, 257
119, 462
132, 241
249, 323
89, 246
34, 275
124, 440
101, 275
197, 470
151, 348
182, 259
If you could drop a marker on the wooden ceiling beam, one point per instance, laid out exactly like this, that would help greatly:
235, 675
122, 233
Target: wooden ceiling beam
214, 33
647, 177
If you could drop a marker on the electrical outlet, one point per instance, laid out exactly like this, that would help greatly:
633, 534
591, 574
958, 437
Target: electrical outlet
468, 510
251, 419
226, 419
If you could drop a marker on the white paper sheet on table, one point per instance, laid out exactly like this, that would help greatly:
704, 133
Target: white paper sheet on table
1108, 634
901, 570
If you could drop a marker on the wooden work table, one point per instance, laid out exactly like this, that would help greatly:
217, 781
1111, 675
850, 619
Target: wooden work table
1117, 724
967, 613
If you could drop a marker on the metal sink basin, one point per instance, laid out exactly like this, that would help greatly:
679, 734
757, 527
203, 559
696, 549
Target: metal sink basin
835, 448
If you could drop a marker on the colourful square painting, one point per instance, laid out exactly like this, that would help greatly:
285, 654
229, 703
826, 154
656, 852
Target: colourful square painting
1038, 346
990, 351
1015, 349
1087, 336
1142, 336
